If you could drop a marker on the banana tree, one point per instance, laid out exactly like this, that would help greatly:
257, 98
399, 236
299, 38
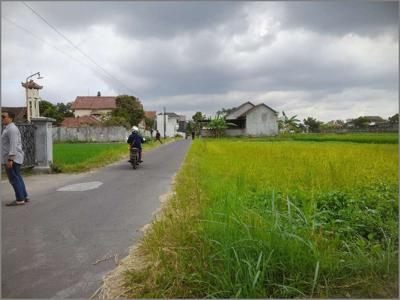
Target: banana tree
218, 125
286, 123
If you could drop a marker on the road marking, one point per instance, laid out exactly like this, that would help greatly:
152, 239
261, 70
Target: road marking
80, 187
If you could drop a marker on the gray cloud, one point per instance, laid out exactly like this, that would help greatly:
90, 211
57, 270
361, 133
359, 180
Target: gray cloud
139, 19
322, 58
362, 17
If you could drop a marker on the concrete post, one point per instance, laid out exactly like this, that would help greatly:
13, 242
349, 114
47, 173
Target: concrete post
43, 143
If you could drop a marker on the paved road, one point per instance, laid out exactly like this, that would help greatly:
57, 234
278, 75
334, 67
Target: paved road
49, 246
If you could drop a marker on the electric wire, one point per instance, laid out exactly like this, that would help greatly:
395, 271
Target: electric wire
77, 48
48, 44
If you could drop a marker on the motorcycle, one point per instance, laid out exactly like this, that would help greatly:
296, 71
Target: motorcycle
134, 157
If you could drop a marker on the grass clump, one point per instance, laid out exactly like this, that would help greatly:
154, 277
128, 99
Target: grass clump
281, 220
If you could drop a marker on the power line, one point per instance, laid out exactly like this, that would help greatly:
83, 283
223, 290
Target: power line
77, 48
48, 44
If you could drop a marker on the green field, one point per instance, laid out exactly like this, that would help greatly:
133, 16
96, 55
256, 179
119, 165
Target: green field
376, 138
367, 138
79, 157
276, 219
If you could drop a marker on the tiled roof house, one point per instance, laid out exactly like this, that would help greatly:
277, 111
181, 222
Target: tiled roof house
93, 105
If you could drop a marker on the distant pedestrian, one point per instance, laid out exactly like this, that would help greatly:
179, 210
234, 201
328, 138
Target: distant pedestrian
12, 157
158, 137
193, 134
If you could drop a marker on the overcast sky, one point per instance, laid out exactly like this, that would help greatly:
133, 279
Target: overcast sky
328, 60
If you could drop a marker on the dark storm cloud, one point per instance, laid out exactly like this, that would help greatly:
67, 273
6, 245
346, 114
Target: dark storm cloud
341, 17
140, 19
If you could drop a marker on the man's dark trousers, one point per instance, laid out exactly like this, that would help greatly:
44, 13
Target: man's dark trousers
15, 178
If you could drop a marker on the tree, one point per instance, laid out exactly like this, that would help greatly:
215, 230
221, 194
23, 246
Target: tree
218, 126
198, 116
313, 124
45, 106
49, 110
286, 124
65, 109
361, 122
129, 108
190, 126
394, 119
225, 111
149, 122
115, 121
59, 112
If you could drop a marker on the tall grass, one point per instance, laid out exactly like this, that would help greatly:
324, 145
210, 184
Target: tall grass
280, 220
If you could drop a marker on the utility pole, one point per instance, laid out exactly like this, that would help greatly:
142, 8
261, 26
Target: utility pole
165, 123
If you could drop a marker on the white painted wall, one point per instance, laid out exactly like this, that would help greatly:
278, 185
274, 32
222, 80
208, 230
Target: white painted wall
235, 132
33, 103
171, 125
261, 121
88, 112
91, 134
82, 112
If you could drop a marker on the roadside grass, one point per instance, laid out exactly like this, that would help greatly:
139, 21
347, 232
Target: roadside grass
281, 220
80, 157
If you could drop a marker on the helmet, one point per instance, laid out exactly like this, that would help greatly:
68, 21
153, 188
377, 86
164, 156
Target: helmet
135, 129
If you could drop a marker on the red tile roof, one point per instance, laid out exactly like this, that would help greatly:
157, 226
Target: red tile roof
31, 85
150, 114
80, 122
94, 102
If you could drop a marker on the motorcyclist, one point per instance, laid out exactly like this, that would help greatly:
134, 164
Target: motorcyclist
136, 140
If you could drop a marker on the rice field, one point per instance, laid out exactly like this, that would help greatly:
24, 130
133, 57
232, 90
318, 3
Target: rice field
79, 157
375, 138
367, 138
276, 219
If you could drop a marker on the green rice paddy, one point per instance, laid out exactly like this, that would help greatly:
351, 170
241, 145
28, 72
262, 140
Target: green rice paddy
276, 219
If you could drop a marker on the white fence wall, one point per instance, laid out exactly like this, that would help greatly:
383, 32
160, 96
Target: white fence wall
90, 134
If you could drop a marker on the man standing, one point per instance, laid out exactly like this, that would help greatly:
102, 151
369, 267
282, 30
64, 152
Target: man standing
12, 157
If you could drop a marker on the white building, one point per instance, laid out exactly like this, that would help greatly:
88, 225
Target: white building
33, 99
171, 121
251, 120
